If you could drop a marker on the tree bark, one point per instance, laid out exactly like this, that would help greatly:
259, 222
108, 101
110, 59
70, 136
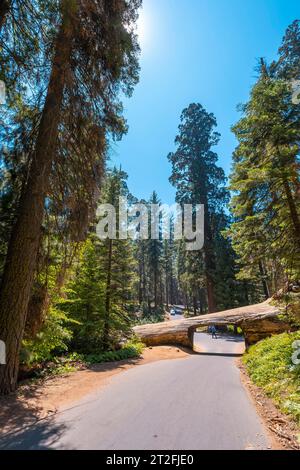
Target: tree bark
23, 246
4, 9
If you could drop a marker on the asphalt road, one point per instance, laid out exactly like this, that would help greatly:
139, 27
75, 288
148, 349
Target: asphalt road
183, 404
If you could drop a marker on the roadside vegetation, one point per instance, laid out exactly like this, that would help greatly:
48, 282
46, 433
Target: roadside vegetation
270, 366
70, 362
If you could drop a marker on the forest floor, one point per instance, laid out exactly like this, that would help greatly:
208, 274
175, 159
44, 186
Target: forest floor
39, 399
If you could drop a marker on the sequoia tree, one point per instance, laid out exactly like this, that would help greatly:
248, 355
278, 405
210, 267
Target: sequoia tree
198, 179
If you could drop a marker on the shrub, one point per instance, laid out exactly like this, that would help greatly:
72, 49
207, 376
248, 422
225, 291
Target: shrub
131, 349
269, 364
54, 337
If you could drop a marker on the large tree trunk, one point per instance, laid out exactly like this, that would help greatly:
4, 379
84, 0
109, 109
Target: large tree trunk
23, 247
4, 9
36, 312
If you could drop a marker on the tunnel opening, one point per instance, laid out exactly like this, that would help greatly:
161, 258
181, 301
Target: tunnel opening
222, 339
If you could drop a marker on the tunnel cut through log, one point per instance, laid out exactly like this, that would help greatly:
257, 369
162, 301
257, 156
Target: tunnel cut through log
256, 321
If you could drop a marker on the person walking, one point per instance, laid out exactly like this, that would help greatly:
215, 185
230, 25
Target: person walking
213, 331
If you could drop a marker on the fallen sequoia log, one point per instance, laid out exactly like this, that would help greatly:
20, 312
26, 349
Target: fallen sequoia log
257, 322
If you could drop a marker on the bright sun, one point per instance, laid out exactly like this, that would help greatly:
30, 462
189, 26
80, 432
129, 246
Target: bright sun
142, 27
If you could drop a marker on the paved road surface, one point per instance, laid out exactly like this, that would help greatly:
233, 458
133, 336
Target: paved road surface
184, 404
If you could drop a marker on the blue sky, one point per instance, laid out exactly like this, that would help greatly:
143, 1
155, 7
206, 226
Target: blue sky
194, 51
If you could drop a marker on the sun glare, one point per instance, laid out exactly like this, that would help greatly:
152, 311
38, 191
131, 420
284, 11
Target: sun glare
142, 27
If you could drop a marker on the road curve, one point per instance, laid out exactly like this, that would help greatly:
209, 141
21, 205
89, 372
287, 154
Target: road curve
193, 403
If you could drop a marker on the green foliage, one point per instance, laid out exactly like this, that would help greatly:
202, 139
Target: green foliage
60, 365
54, 337
265, 177
70, 362
270, 366
230, 329
265, 180
132, 349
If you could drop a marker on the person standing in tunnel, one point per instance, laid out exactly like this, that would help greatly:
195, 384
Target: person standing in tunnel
213, 331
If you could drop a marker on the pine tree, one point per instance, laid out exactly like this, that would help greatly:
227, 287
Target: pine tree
265, 180
288, 65
117, 264
198, 180
154, 259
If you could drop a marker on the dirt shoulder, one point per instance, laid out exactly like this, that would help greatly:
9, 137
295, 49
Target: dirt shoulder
35, 401
283, 432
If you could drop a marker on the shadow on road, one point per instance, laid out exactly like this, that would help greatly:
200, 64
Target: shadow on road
40, 435
204, 353
25, 423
